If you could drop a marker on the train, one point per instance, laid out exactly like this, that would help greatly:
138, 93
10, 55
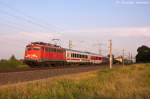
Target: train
46, 54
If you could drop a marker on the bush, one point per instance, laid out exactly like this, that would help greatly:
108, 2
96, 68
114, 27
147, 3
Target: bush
12, 63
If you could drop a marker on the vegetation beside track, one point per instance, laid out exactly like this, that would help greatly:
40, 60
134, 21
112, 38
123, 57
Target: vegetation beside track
129, 82
11, 64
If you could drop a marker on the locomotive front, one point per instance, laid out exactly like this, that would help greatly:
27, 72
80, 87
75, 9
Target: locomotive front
32, 53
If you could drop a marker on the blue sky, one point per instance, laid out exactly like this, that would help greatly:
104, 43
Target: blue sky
86, 22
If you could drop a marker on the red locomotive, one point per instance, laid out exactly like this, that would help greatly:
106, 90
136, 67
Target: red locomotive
49, 54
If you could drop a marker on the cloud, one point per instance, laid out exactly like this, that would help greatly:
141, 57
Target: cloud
116, 31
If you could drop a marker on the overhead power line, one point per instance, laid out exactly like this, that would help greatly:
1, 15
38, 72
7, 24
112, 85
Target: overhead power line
25, 17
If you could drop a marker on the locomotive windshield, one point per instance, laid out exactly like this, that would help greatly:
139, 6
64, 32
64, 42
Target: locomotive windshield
36, 48
33, 48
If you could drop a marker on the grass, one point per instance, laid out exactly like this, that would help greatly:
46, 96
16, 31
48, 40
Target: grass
130, 82
11, 65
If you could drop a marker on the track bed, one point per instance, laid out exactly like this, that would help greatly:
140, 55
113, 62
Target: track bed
36, 74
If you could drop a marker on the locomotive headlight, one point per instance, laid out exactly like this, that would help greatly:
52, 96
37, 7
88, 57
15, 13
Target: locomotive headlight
27, 55
34, 55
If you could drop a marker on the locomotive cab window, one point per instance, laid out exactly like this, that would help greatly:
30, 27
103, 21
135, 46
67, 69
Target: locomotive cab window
36, 48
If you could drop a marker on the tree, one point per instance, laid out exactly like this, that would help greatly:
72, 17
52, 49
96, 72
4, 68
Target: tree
12, 57
143, 55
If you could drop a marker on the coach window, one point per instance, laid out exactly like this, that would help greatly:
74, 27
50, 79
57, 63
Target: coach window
86, 56
75, 55
57, 50
100, 58
61, 51
50, 50
54, 50
67, 54
78, 55
83, 56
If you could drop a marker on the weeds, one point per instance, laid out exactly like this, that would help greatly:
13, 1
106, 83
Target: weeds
11, 64
132, 82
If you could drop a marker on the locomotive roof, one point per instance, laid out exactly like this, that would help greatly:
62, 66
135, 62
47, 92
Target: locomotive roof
45, 44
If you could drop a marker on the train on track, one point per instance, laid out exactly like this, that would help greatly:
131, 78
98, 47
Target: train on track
46, 54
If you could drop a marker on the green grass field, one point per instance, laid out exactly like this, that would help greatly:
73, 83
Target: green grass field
130, 82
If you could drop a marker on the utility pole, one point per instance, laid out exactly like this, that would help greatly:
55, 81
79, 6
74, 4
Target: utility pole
129, 56
123, 57
100, 49
70, 44
100, 52
110, 54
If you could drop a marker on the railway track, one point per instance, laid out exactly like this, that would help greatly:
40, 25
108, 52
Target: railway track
41, 73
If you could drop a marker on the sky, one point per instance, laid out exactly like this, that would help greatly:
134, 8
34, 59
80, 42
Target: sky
88, 23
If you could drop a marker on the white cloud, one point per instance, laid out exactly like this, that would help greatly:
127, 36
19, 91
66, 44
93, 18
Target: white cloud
116, 31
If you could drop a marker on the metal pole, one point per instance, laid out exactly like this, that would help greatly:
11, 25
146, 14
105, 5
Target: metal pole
110, 54
70, 44
123, 58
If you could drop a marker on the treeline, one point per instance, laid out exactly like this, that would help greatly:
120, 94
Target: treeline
143, 55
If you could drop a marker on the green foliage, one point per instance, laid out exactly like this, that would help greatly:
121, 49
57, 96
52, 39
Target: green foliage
12, 57
12, 63
143, 55
119, 83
